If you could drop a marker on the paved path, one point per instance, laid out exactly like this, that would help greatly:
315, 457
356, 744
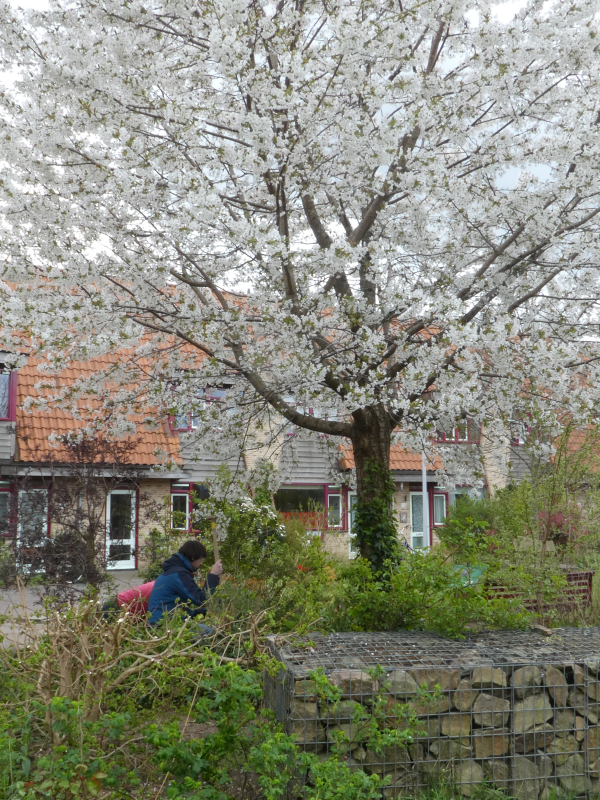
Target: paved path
14, 603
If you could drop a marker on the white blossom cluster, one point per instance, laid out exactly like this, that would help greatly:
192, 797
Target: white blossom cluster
389, 209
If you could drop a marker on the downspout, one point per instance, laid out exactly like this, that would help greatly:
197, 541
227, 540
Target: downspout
426, 541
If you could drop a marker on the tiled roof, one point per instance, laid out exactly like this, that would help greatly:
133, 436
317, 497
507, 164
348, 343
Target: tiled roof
400, 459
35, 425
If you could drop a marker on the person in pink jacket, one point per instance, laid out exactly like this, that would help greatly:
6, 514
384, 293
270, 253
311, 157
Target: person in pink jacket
135, 601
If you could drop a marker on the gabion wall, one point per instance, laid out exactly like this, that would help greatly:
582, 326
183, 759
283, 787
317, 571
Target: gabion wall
515, 709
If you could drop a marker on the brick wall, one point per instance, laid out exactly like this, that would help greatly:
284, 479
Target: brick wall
336, 543
152, 494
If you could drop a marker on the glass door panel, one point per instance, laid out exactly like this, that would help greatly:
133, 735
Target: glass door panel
120, 529
416, 521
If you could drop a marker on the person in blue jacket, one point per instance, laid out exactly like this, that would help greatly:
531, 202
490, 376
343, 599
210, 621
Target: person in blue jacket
176, 584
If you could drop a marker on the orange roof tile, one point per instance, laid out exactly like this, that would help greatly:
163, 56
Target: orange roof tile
35, 425
400, 459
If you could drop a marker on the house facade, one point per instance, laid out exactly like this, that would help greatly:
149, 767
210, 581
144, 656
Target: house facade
315, 472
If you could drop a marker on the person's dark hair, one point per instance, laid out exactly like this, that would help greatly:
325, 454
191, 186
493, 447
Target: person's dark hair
192, 550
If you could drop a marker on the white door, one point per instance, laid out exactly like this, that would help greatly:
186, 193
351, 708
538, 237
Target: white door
417, 534
120, 529
352, 553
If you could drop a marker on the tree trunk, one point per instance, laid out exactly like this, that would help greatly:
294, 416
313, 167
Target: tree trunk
371, 445
375, 528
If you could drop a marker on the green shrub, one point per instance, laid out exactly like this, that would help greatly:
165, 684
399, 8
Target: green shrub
424, 592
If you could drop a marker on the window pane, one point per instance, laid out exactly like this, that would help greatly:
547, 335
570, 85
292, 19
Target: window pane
335, 510
416, 513
33, 516
439, 509
463, 431
4, 393
4, 512
179, 508
300, 498
182, 422
120, 517
352, 501
202, 492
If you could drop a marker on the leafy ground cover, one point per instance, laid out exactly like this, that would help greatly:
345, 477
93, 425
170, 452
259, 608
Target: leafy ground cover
94, 708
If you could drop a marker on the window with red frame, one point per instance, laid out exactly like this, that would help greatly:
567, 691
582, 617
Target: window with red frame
7, 393
181, 502
188, 421
464, 431
5, 506
440, 505
519, 431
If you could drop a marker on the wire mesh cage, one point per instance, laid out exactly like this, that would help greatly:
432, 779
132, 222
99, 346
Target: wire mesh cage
514, 709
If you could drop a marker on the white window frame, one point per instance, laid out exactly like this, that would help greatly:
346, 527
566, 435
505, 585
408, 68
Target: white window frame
122, 563
457, 435
337, 493
417, 534
352, 498
187, 511
442, 497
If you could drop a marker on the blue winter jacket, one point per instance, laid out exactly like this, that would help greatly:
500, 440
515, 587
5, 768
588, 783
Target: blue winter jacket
177, 585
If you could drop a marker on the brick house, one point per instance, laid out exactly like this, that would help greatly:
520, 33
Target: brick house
314, 472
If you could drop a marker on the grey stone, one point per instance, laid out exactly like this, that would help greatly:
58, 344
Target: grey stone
464, 696
429, 707
526, 778
545, 764
572, 775
556, 683
389, 759
434, 768
535, 739
449, 749
489, 742
525, 680
456, 725
593, 690
345, 735
468, 775
591, 744
353, 682
561, 748
488, 678
405, 785
533, 710
305, 688
416, 752
496, 770
429, 728
446, 679
579, 676
563, 722
353, 765
305, 725
343, 711
359, 754
490, 711
399, 682
593, 665
582, 705
552, 792
594, 769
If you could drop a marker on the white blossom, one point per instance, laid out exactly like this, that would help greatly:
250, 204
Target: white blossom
388, 210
